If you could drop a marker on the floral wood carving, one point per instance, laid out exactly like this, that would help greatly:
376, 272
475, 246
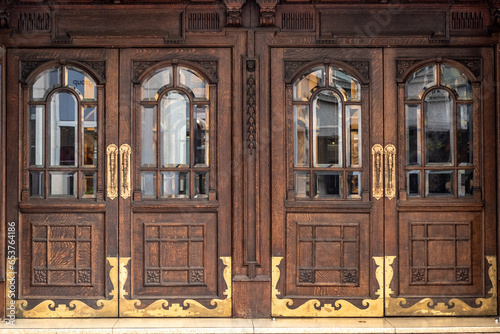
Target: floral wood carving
474, 65
403, 65
140, 67
211, 67
350, 276
99, 67
363, 67
291, 67
306, 276
251, 103
418, 275
28, 67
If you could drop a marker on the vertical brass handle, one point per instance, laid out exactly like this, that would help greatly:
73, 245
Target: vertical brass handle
390, 171
378, 187
112, 171
125, 187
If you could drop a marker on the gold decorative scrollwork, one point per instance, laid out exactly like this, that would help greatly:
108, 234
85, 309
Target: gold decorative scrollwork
75, 308
280, 307
428, 307
125, 187
163, 308
112, 167
390, 171
378, 187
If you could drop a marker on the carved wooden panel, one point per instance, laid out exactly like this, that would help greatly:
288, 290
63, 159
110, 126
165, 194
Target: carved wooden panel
174, 254
63, 255
328, 254
440, 253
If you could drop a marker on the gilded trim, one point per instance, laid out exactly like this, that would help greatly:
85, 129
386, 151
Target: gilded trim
428, 307
125, 187
163, 308
111, 175
378, 186
75, 308
314, 308
390, 171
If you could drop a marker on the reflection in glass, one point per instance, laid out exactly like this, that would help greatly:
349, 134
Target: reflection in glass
151, 87
439, 128
89, 126
413, 183
201, 184
63, 184
457, 81
347, 85
353, 136
148, 136
354, 184
328, 184
201, 132
148, 184
465, 134
439, 183
37, 135
306, 85
302, 184
175, 184
301, 130
89, 184
44, 82
419, 81
465, 183
327, 125
193, 82
174, 120
413, 135
37, 184
83, 84
63, 128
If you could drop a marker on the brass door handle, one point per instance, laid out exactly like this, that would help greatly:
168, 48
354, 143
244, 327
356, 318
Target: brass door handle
390, 171
112, 171
125, 187
377, 186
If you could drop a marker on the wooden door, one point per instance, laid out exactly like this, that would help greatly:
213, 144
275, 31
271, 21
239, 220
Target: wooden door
175, 215
440, 223
63, 224
327, 228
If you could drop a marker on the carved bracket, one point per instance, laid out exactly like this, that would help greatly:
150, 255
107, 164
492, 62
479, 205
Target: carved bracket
267, 12
233, 18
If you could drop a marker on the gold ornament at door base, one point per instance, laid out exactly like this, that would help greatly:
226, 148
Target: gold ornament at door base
163, 308
428, 307
280, 307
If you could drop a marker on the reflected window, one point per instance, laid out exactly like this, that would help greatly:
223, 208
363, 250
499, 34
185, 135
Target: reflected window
327, 134
175, 134
439, 132
62, 134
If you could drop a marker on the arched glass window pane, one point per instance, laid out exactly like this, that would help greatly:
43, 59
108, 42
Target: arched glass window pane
37, 135
465, 134
301, 127
438, 109
193, 82
45, 82
63, 128
419, 81
174, 120
151, 87
201, 134
327, 127
306, 85
457, 81
347, 85
81, 82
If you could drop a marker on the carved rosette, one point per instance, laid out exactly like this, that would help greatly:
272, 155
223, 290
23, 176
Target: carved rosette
251, 104
233, 18
267, 12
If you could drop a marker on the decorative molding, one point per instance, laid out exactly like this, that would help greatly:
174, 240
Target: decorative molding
291, 67
75, 308
363, 67
251, 105
402, 66
474, 65
163, 308
140, 67
282, 307
267, 12
397, 306
233, 17
211, 67
99, 67
28, 67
